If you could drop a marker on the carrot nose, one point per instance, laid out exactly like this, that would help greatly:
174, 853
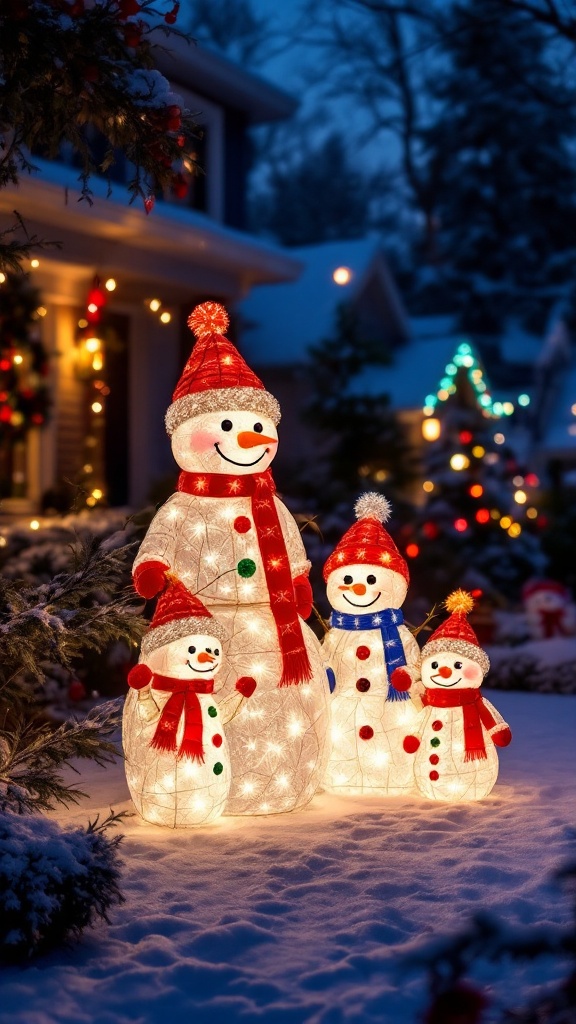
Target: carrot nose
359, 589
445, 672
204, 656
250, 439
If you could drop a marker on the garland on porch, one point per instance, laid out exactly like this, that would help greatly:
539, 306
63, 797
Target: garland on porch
24, 389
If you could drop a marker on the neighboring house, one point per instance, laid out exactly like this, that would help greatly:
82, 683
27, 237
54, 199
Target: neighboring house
279, 323
185, 251
555, 407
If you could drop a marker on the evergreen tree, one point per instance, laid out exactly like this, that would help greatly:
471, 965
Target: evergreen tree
313, 194
503, 141
362, 440
475, 527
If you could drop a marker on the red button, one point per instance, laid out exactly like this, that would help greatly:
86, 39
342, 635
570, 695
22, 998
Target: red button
242, 524
362, 653
217, 739
437, 725
411, 744
366, 732
433, 758
434, 776
363, 685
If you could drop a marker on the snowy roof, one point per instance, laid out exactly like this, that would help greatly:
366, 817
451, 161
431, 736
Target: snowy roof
560, 432
415, 372
280, 322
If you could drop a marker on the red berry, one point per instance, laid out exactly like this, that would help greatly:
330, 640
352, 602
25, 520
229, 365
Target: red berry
171, 16
149, 204
76, 690
127, 8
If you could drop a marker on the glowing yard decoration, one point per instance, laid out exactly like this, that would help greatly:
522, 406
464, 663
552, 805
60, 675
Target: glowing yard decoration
176, 755
367, 580
455, 750
228, 537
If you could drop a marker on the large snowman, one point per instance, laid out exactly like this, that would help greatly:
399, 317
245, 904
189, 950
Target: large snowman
455, 743
228, 537
367, 581
176, 755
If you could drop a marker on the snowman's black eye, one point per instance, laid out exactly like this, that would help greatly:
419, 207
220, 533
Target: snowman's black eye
457, 664
434, 664
191, 650
371, 579
226, 424
216, 651
258, 428
348, 579
208, 650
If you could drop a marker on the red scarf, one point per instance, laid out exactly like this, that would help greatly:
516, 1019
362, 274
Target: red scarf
260, 488
183, 699
475, 712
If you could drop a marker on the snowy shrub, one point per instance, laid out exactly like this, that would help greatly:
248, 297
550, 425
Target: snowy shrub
54, 882
541, 666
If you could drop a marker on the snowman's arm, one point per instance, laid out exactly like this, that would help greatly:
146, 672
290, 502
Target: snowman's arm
158, 549
231, 705
500, 731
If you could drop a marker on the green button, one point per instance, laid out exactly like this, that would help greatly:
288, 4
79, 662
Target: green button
218, 768
435, 742
212, 711
246, 567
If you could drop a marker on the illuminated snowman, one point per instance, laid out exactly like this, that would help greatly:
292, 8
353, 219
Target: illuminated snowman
367, 581
227, 536
176, 755
456, 740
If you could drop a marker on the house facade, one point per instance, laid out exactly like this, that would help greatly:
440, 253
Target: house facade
111, 386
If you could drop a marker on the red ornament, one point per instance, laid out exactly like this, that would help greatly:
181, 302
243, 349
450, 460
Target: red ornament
531, 480
477, 593
5, 365
128, 8
362, 653
366, 732
465, 436
412, 551
76, 690
5, 414
461, 525
482, 515
171, 16
430, 530
173, 118
96, 297
149, 204
180, 186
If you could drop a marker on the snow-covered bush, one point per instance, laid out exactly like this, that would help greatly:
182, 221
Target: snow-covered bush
542, 666
54, 882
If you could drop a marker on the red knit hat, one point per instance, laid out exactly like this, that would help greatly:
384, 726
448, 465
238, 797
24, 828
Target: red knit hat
177, 614
216, 378
367, 542
541, 586
456, 633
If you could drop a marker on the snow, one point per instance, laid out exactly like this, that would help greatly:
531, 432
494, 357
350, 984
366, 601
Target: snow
308, 918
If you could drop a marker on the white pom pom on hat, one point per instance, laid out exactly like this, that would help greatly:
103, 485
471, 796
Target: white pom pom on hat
374, 506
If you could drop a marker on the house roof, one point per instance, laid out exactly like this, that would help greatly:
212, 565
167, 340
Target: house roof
214, 76
559, 436
162, 247
280, 322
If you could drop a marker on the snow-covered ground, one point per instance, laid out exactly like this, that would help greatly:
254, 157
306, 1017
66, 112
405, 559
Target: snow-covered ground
308, 918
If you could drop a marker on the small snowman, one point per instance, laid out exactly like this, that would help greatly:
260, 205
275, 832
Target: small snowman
226, 535
176, 755
549, 609
367, 580
455, 743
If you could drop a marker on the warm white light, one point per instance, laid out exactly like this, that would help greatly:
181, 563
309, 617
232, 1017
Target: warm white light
2, 277
92, 307
459, 461
34, 524
428, 486
18, 359
518, 481
41, 310
97, 407
165, 317
532, 513
342, 275
154, 305
97, 493
520, 497
431, 429
92, 344
110, 285
499, 438
34, 263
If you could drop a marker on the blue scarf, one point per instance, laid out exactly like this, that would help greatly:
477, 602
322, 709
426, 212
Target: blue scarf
387, 622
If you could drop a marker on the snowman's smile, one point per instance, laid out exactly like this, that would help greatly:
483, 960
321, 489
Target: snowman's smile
260, 457
193, 668
355, 605
438, 681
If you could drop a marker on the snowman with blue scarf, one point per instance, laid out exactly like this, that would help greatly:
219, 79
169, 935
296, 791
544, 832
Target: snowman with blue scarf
367, 581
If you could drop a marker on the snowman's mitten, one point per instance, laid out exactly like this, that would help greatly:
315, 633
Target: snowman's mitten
303, 595
401, 678
502, 736
140, 676
246, 686
150, 578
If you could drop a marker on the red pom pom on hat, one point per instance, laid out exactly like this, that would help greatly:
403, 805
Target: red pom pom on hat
208, 318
